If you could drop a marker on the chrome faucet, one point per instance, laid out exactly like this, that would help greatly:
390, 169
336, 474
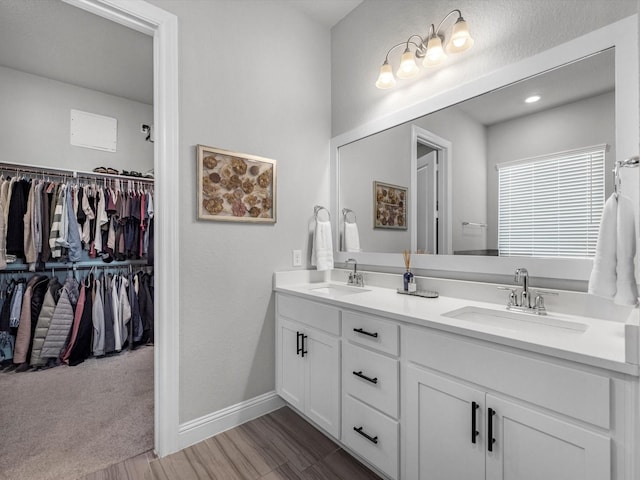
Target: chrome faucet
523, 273
355, 277
521, 301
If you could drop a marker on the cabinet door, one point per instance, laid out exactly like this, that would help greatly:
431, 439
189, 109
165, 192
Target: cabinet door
323, 380
531, 446
439, 419
290, 365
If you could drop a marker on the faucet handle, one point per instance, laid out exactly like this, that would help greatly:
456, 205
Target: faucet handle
513, 297
539, 301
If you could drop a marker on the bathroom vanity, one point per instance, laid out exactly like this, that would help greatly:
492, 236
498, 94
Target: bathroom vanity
457, 386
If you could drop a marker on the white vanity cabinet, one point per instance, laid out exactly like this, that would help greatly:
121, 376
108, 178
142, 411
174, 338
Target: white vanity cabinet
308, 359
475, 412
371, 389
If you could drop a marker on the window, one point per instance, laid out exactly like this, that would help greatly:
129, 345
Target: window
551, 206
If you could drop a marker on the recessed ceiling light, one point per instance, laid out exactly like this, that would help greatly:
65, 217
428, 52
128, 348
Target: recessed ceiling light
532, 99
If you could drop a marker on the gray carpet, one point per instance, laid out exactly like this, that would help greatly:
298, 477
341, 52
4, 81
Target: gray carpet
65, 422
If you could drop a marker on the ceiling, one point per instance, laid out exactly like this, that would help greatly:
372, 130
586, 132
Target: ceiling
52, 39
557, 87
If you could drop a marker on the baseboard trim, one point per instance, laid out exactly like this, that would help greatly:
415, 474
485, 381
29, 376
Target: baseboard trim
194, 431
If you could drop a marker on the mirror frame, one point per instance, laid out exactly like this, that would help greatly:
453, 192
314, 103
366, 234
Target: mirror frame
623, 35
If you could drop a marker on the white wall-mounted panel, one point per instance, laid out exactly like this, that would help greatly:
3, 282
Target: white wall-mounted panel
90, 130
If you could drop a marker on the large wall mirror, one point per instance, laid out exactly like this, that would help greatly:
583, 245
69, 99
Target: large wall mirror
442, 168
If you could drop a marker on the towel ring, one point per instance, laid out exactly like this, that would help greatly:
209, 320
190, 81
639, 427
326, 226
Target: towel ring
346, 212
317, 209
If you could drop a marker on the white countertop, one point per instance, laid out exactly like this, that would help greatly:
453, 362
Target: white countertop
603, 344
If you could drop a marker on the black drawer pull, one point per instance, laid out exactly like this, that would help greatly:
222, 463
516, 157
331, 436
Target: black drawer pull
474, 432
490, 439
364, 332
368, 437
298, 347
364, 377
304, 344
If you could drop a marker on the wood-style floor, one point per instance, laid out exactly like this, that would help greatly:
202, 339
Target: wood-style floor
277, 446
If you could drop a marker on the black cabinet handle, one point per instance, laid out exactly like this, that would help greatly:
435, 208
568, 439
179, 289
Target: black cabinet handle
368, 437
364, 377
304, 344
490, 439
364, 332
298, 348
474, 432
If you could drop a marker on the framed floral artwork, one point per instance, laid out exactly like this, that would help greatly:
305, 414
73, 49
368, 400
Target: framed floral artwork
389, 206
235, 187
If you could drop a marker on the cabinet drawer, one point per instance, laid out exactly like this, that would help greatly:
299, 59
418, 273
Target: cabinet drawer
573, 392
381, 448
316, 315
380, 388
373, 332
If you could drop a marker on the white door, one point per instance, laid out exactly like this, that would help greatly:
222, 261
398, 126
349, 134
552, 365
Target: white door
533, 446
322, 356
291, 365
440, 440
426, 208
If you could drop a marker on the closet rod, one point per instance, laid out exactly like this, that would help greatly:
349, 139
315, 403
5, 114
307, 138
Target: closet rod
85, 265
60, 172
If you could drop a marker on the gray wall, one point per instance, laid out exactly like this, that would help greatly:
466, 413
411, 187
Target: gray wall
575, 125
505, 31
384, 157
254, 78
468, 171
35, 124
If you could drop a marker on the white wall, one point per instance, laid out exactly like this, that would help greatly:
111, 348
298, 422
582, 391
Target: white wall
575, 125
254, 78
35, 125
505, 31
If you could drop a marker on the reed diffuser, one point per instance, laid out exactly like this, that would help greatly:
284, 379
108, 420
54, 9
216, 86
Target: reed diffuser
406, 254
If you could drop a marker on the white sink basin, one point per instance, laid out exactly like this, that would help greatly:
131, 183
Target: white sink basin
336, 290
516, 321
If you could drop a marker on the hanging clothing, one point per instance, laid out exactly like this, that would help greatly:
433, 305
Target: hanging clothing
15, 220
44, 320
81, 349
109, 335
98, 320
62, 320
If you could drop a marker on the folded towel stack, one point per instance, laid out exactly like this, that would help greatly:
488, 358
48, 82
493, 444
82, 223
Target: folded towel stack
613, 274
322, 250
351, 237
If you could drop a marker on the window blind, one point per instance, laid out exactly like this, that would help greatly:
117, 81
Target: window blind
551, 207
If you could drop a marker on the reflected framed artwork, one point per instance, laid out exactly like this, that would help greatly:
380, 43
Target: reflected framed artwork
235, 187
389, 206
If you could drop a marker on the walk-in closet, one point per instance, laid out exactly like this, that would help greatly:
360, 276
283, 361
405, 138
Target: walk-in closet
77, 211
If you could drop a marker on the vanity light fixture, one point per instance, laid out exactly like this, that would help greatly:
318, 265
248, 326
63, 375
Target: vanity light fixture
532, 99
429, 49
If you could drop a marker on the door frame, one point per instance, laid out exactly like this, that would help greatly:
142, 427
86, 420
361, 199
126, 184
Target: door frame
163, 27
445, 210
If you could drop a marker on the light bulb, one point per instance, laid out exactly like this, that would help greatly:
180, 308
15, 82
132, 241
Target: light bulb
386, 78
408, 67
435, 54
460, 38
532, 99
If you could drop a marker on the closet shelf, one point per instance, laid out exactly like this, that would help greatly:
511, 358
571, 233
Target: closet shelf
64, 172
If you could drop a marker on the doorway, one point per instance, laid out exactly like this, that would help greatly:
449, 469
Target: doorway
163, 27
431, 182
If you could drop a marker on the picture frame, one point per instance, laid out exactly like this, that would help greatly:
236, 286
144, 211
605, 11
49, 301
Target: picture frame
235, 187
389, 206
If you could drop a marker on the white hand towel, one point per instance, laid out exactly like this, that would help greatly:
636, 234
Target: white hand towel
626, 286
602, 281
322, 250
351, 237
